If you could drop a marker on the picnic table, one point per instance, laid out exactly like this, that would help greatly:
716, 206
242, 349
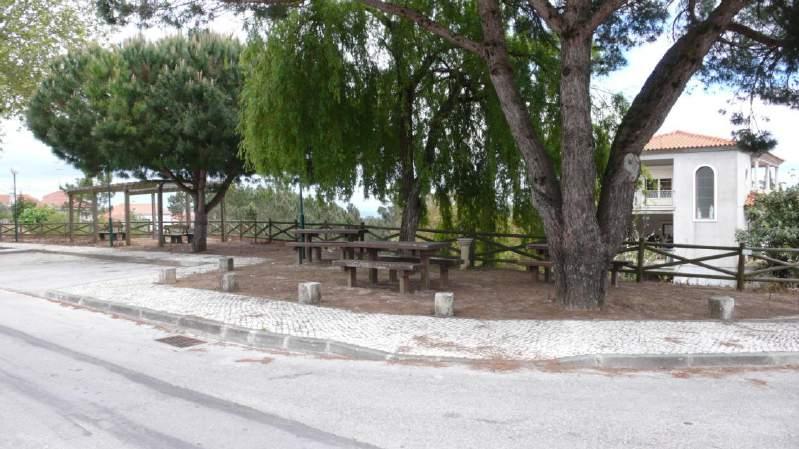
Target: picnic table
177, 232
424, 251
338, 235
118, 235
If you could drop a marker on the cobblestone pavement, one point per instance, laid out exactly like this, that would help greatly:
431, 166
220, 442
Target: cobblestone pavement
429, 336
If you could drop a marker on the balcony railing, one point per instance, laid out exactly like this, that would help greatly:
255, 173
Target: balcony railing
654, 199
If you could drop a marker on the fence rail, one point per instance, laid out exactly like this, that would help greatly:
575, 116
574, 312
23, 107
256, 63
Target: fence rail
643, 259
744, 264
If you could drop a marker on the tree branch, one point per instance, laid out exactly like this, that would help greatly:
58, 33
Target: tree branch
605, 9
755, 35
167, 173
221, 191
648, 111
548, 13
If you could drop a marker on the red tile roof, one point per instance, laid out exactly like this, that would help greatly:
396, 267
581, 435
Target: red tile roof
681, 140
55, 199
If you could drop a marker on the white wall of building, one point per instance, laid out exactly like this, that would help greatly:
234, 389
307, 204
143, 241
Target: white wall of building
731, 170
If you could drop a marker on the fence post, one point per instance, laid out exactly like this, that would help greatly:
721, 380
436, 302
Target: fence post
269, 235
362, 234
639, 274
740, 281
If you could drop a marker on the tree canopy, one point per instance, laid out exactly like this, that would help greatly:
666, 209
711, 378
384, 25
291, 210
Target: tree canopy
154, 110
394, 108
750, 45
32, 32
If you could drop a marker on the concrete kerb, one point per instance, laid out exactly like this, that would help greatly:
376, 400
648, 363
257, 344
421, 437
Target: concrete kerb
268, 340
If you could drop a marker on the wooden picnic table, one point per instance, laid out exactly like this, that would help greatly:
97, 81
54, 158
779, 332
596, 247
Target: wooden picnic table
307, 236
423, 250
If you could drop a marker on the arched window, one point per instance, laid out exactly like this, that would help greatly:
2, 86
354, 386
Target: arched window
705, 193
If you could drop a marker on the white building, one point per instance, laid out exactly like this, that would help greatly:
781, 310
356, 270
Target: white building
695, 192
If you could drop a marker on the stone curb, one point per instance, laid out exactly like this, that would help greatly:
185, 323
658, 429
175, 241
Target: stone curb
269, 340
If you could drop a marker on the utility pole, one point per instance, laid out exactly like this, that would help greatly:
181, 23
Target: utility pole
16, 207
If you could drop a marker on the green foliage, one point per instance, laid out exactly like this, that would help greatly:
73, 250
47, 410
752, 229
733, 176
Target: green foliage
279, 202
32, 214
5, 213
32, 32
339, 95
773, 220
167, 108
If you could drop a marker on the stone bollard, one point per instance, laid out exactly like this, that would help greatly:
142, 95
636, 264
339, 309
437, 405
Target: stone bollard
466, 252
309, 292
444, 304
168, 276
721, 307
225, 264
229, 282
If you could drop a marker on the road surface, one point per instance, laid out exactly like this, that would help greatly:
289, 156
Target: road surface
71, 378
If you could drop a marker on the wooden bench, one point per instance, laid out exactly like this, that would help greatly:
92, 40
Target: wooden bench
404, 268
317, 247
533, 266
115, 235
443, 264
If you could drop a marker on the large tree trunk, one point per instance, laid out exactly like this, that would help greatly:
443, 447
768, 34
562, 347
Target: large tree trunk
412, 212
567, 211
200, 241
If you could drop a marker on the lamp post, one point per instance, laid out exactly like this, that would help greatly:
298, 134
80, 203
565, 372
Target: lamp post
16, 207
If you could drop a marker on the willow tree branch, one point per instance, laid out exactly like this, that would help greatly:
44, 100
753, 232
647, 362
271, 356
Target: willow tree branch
411, 14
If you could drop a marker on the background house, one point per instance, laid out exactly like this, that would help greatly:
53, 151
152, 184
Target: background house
695, 191
57, 200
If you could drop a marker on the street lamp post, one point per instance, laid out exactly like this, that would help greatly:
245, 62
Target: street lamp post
16, 207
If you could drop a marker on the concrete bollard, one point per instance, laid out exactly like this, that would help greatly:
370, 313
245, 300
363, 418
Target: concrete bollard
168, 276
229, 282
721, 307
444, 304
466, 252
225, 264
309, 292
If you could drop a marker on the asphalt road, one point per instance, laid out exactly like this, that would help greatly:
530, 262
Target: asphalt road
72, 378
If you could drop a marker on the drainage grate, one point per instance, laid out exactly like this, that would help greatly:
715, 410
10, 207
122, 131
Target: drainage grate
179, 341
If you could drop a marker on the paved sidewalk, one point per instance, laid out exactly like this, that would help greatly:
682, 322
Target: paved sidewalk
435, 337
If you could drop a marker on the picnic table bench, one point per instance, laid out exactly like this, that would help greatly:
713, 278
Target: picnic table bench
443, 264
404, 268
113, 234
422, 252
176, 234
317, 247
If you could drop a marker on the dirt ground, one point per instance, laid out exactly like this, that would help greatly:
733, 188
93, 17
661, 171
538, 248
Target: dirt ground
499, 294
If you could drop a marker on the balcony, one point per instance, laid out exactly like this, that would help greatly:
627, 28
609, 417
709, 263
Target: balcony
653, 200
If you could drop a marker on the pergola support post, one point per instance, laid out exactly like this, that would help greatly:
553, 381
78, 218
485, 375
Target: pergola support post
95, 229
127, 217
152, 216
160, 215
223, 236
71, 218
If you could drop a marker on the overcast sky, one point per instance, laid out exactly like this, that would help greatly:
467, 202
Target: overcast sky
697, 111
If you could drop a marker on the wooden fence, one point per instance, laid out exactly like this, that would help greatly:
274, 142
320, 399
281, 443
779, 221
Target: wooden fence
643, 259
744, 264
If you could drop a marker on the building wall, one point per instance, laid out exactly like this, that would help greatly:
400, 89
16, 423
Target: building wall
730, 186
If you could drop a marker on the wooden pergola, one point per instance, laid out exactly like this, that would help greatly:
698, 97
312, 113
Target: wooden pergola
154, 188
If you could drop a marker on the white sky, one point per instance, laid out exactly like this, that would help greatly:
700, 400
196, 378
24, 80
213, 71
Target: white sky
40, 172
